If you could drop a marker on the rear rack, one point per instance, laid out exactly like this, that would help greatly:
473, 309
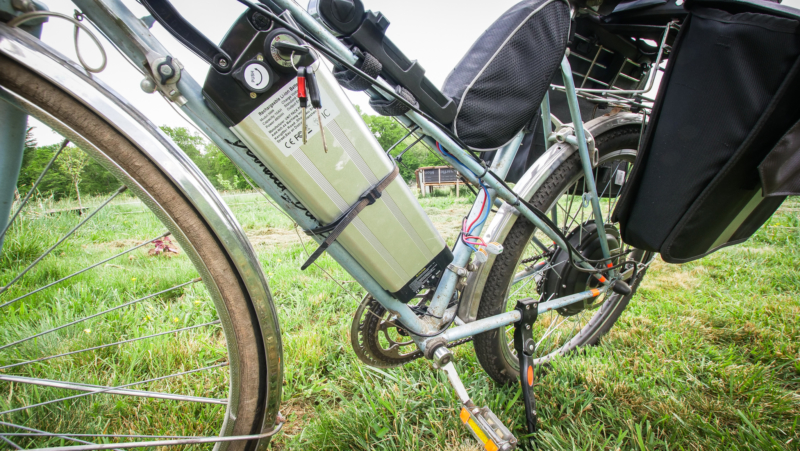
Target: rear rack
624, 88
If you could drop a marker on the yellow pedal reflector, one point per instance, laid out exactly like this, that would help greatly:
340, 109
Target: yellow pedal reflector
487, 429
464, 415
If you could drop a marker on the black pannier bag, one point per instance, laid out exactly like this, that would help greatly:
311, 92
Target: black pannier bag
720, 153
502, 79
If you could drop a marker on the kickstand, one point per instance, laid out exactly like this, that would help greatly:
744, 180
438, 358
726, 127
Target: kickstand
525, 347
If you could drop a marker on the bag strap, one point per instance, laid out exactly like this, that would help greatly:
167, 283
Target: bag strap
337, 226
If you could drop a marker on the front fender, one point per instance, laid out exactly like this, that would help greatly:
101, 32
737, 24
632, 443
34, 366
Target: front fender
93, 93
507, 215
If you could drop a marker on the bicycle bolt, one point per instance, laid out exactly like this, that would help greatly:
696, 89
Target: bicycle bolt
260, 57
530, 347
253, 95
528, 327
173, 92
223, 62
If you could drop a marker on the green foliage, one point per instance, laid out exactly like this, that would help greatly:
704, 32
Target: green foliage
389, 131
212, 162
73, 167
93, 178
72, 161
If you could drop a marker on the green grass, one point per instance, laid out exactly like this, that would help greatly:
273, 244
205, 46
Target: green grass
707, 356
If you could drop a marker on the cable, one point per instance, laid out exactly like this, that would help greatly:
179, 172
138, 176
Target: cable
19, 20
332, 55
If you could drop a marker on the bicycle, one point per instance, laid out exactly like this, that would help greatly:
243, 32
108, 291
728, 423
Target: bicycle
578, 286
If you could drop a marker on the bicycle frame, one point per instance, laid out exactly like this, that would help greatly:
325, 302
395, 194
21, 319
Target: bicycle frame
131, 37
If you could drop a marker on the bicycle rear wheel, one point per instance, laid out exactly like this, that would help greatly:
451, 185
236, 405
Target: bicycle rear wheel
157, 340
529, 268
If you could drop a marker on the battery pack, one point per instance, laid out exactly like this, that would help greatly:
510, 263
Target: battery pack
392, 239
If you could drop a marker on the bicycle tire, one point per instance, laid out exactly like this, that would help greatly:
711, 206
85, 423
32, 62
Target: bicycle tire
491, 347
243, 340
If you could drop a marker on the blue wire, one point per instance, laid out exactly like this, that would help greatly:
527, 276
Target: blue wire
484, 214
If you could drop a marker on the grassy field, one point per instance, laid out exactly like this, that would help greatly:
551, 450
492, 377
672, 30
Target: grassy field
707, 356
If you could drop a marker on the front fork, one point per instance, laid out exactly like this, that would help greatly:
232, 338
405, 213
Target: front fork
13, 128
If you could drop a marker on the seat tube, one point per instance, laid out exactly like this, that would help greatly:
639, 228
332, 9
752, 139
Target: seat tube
13, 125
583, 150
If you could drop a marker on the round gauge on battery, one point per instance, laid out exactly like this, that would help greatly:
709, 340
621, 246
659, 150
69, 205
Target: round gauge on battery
281, 58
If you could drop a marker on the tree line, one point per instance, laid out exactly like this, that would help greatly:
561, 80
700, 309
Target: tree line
74, 174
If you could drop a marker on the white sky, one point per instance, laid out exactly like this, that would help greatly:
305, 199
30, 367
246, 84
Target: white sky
435, 32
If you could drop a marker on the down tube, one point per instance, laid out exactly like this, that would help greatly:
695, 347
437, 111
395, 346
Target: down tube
135, 40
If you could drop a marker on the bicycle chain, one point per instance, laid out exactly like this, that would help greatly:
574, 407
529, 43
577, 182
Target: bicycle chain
538, 257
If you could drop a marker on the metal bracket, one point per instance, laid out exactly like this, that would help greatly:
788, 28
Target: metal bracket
182, 30
165, 72
458, 270
566, 134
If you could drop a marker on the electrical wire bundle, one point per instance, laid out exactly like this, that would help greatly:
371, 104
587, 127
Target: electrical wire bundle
467, 231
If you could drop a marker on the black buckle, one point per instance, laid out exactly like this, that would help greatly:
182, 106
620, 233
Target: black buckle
371, 196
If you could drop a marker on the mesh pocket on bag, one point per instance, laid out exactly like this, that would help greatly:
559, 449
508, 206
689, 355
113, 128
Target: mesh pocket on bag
501, 81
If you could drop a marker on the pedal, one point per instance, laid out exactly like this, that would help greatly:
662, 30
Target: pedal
487, 428
481, 422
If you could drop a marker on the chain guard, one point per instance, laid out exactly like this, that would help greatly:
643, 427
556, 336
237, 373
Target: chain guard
371, 323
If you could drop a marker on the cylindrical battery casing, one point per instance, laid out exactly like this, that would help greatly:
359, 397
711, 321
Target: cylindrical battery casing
393, 239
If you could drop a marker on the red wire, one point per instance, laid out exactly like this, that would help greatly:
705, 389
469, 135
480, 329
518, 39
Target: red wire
479, 214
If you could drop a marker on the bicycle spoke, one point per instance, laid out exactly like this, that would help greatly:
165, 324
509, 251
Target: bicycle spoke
24, 428
109, 390
83, 270
74, 229
163, 443
573, 217
127, 304
550, 329
67, 398
42, 359
627, 174
12, 444
33, 188
578, 321
523, 286
51, 434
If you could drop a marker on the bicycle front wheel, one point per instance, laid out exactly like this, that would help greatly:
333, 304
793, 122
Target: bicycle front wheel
124, 318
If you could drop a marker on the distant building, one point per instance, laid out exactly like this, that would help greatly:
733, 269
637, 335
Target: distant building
431, 177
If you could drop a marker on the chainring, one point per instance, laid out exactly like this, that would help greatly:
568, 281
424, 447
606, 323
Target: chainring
381, 343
